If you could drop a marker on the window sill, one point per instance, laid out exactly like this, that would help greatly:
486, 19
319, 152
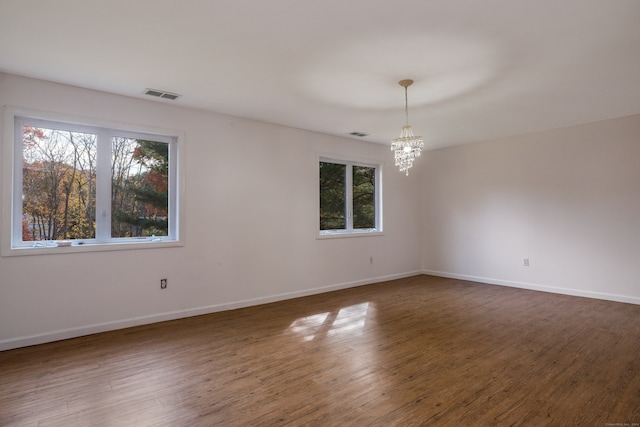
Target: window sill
339, 234
90, 247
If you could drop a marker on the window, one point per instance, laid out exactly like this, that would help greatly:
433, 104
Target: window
86, 186
350, 198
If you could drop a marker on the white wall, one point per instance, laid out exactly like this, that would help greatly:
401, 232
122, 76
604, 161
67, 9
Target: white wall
567, 199
250, 226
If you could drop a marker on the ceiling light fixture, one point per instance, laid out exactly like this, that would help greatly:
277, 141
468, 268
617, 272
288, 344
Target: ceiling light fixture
407, 147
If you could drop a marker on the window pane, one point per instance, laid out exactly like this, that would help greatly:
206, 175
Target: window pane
140, 188
364, 213
58, 184
332, 196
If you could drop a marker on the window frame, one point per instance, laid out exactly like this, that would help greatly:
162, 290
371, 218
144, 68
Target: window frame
349, 231
12, 243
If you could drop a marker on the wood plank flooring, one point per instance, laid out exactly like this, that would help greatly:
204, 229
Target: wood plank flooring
411, 352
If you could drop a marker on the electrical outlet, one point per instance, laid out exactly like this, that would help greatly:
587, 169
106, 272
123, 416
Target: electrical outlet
163, 283
525, 262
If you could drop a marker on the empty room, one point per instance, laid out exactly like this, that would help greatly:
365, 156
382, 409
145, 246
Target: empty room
337, 213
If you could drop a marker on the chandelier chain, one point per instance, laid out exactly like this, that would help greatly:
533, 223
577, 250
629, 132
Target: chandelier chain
406, 105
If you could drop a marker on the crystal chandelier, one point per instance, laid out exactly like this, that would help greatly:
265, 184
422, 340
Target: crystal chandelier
407, 147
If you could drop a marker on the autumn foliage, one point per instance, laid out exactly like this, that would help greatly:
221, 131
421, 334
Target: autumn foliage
59, 186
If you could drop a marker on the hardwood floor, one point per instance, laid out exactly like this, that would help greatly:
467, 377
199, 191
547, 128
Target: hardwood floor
416, 351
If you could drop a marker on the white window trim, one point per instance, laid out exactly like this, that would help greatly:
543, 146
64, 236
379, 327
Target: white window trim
12, 176
334, 234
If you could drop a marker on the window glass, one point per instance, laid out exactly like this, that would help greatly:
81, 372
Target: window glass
364, 206
332, 196
139, 188
58, 184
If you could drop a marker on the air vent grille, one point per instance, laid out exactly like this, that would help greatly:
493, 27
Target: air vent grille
161, 94
360, 134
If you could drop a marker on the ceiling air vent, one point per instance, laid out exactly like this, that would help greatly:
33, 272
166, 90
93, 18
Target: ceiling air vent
360, 134
161, 94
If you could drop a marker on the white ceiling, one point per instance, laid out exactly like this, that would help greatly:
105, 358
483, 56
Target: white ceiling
483, 69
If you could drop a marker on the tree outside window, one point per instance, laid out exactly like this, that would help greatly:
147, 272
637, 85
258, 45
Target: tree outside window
349, 195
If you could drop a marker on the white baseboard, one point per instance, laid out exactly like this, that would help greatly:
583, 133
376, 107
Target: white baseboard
534, 287
63, 334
